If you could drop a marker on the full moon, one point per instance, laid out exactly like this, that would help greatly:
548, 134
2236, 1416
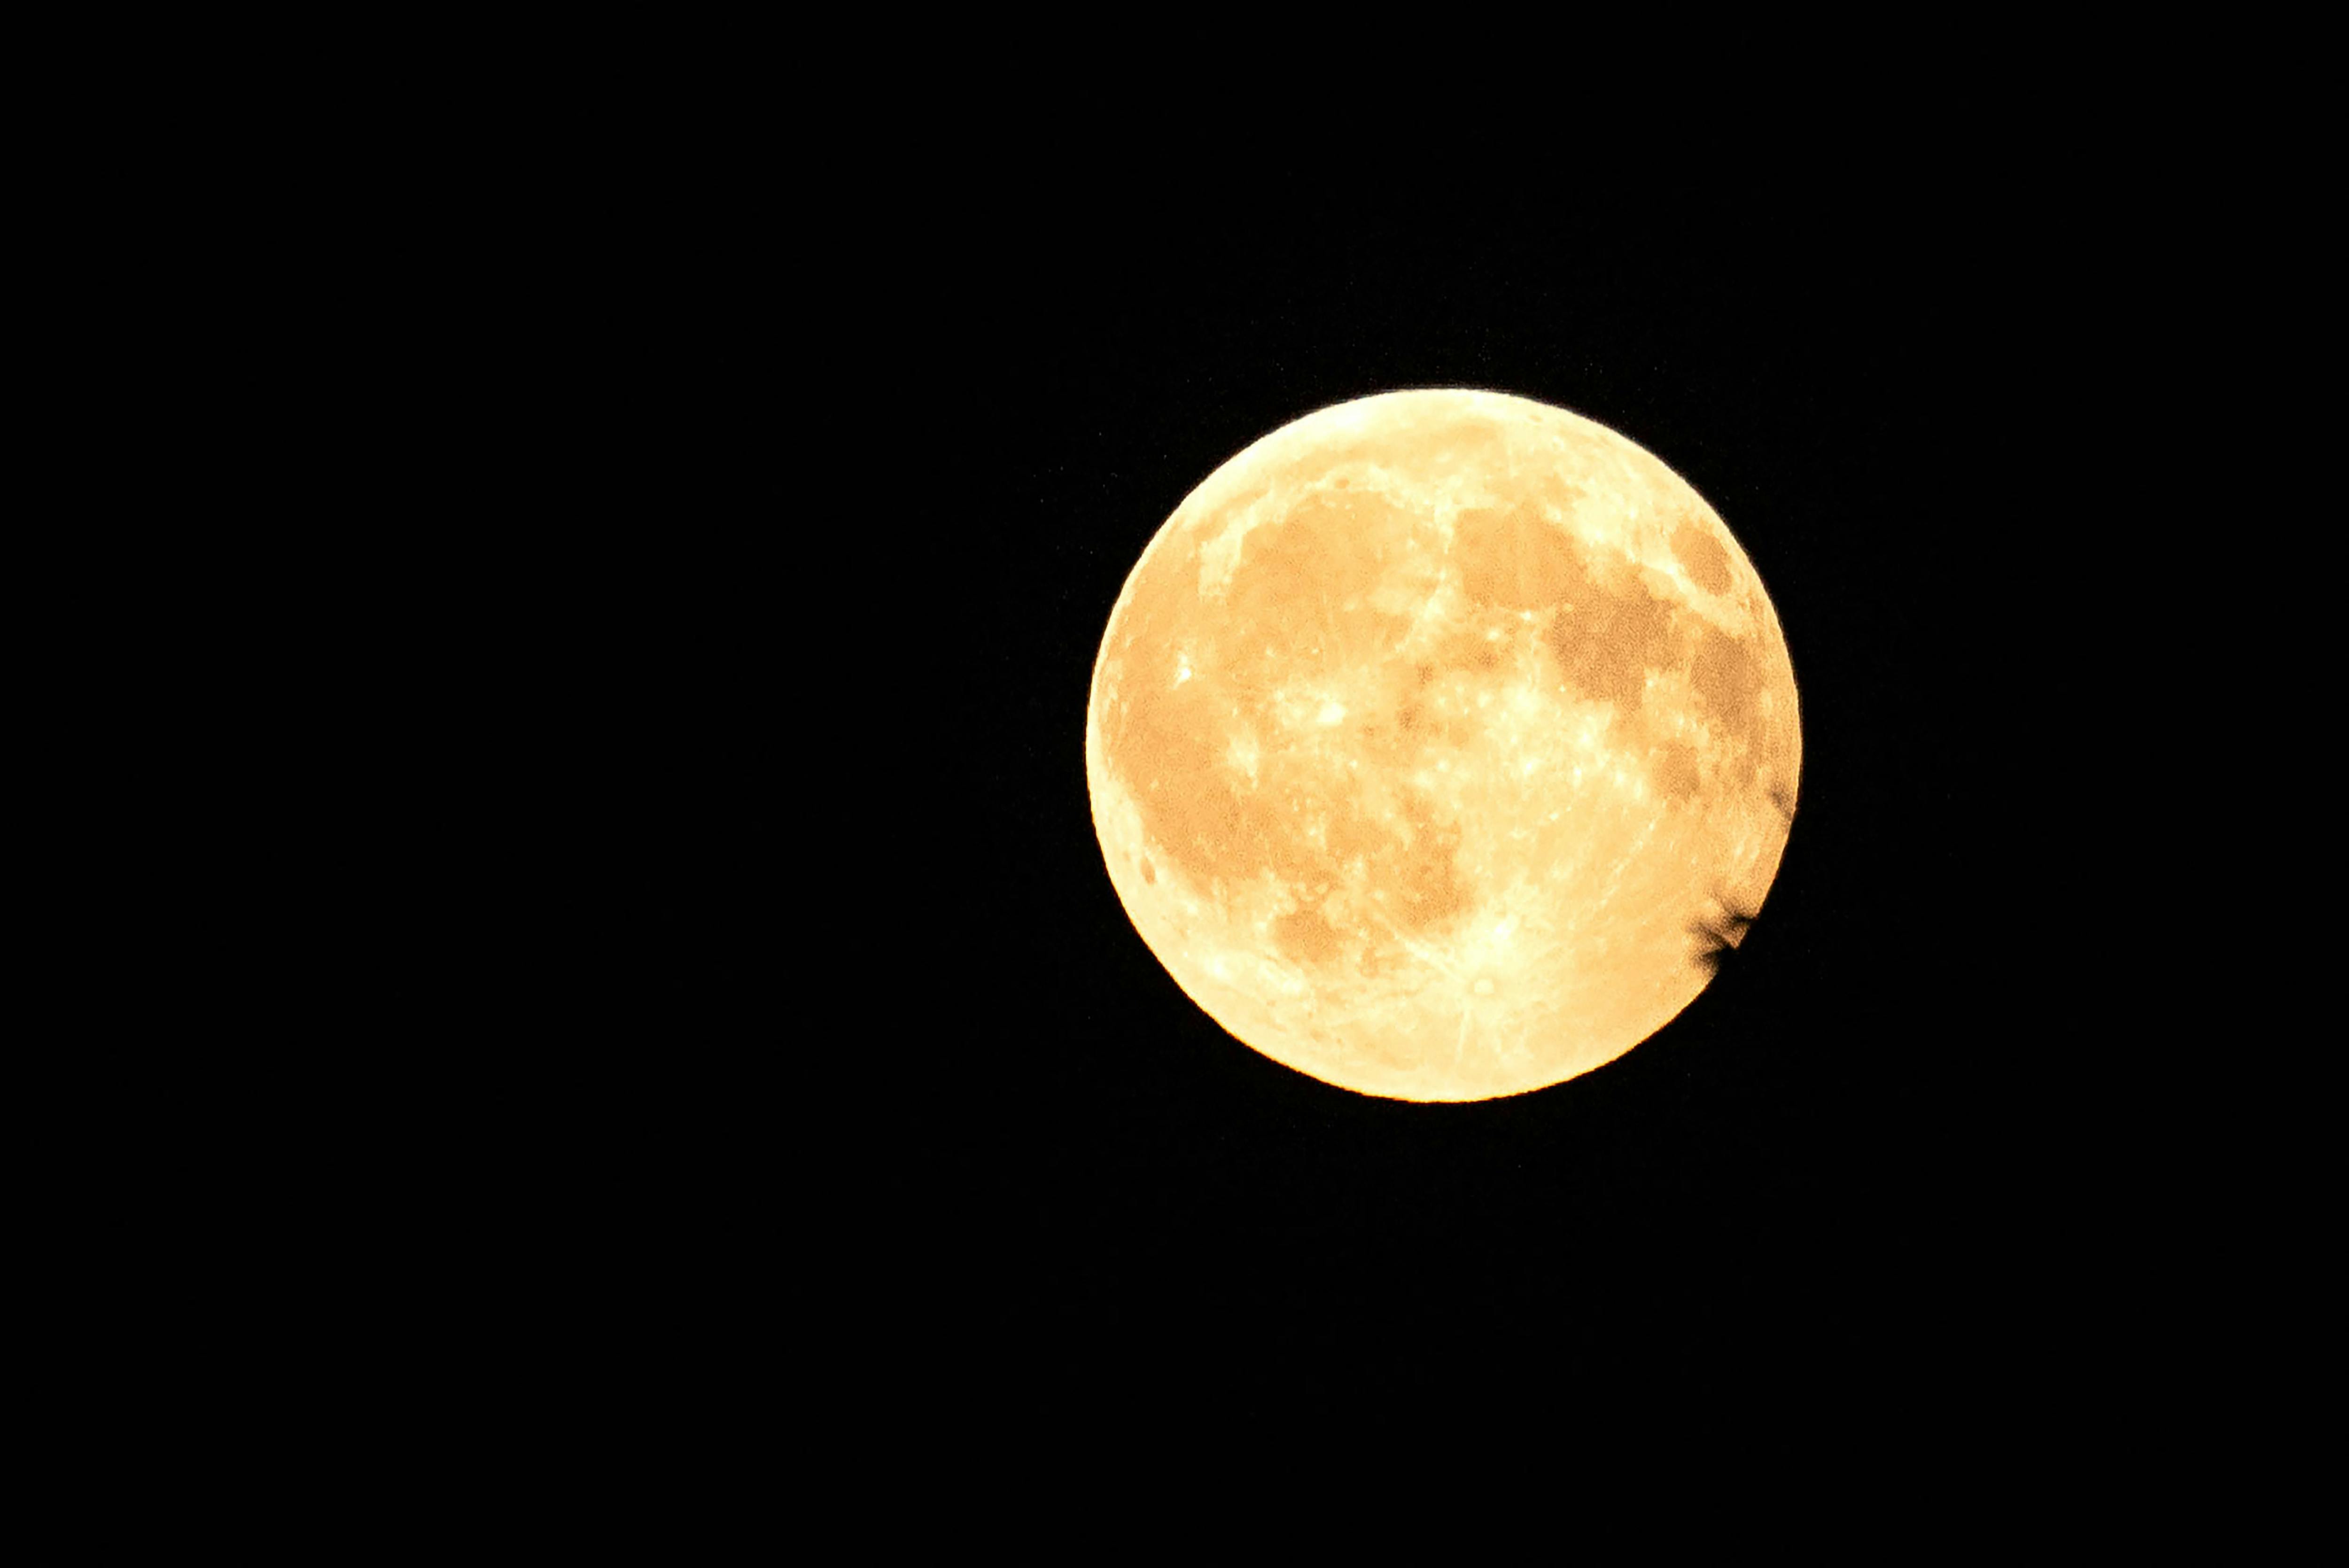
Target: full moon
1437, 743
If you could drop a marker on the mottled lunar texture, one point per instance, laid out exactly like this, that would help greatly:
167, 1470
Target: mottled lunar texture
1429, 734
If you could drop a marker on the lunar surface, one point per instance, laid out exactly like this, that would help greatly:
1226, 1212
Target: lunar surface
1438, 740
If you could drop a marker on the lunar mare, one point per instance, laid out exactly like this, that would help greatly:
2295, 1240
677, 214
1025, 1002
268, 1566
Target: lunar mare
1427, 735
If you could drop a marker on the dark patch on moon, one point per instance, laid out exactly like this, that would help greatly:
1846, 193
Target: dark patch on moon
1427, 875
1674, 772
1149, 873
1307, 936
1331, 548
1608, 646
1514, 558
1354, 835
1728, 679
1707, 562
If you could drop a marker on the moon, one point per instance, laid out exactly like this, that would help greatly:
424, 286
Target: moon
1438, 741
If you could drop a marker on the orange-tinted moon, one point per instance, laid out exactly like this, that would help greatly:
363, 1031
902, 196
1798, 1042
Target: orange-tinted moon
1429, 734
